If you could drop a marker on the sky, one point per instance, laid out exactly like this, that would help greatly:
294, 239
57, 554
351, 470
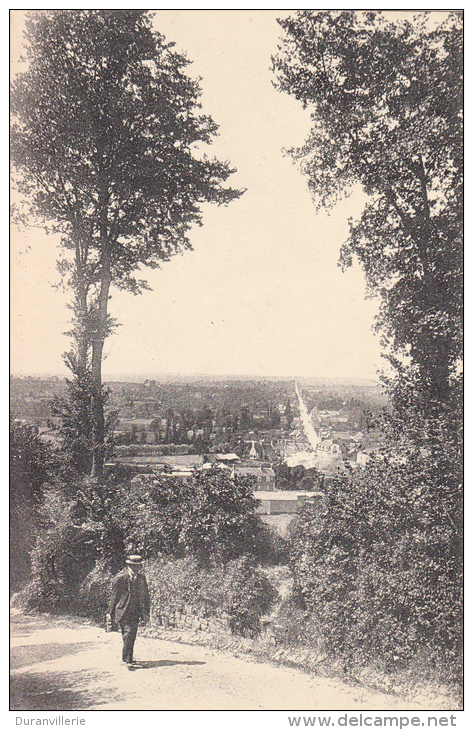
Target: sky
261, 293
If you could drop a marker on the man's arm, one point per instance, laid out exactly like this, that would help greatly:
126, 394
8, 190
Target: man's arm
145, 600
114, 596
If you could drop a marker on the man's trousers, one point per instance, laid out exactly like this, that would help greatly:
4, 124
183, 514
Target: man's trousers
129, 628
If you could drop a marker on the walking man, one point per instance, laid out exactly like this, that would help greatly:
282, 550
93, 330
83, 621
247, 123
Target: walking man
128, 603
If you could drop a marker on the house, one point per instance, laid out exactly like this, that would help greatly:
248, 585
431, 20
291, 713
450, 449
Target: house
227, 458
328, 450
279, 509
270, 452
264, 476
283, 501
362, 458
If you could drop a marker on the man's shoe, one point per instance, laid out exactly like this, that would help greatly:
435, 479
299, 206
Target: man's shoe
129, 666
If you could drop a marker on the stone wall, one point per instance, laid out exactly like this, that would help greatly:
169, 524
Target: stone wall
189, 618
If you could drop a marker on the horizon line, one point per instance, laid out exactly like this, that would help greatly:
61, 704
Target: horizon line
179, 374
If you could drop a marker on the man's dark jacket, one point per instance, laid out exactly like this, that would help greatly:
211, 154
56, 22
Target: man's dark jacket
120, 597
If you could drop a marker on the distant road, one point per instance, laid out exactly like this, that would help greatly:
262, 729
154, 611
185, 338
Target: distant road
68, 664
309, 430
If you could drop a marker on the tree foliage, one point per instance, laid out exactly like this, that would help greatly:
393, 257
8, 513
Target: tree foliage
105, 133
248, 596
31, 462
297, 477
76, 411
107, 140
209, 516
386, 101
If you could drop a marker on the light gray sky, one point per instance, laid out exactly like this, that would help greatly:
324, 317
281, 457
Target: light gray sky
261, 294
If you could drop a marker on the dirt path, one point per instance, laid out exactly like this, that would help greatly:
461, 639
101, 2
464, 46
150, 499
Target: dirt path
64, 664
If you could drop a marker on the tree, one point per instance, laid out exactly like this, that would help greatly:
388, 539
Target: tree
378, 562
106, 141
219, 522
387, 102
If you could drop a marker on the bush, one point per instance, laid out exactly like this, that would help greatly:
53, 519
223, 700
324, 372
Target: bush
270, 548
248, 596
94, 592
206, 527
378, 563
295, 627
177, 583
31, 466
219, 522
74, 535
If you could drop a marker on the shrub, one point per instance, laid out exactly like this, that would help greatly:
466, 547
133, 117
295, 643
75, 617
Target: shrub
154, 516
219, 522
206, 527
175, 584
296, 627
94, 592
378, 562
249, 595
73, 535
270, 548
31, 466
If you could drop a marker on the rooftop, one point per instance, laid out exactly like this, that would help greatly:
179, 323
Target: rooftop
287, 494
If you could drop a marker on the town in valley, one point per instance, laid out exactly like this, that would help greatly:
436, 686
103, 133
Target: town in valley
286, 435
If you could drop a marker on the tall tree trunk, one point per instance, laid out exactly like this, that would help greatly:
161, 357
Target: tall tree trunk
97, 349
82, 330
84, 333
97, 354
